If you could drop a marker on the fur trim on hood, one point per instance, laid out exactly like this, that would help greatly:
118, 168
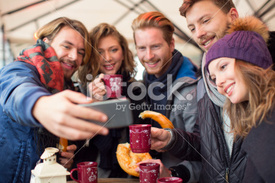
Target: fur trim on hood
249, 23
246, 41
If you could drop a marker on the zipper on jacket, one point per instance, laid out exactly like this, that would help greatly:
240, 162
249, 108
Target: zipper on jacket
227, 174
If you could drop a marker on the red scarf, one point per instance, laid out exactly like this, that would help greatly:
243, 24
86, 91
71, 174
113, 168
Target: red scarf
44, 58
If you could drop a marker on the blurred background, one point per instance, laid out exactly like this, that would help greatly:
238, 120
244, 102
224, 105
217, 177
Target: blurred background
21, 18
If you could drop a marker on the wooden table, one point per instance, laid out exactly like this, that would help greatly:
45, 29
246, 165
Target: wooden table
114, 180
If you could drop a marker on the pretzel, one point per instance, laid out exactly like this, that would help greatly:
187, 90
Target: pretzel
128, 160
63, 143
158, 117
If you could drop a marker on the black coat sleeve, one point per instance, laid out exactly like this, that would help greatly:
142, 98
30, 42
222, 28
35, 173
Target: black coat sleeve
186, 146
260, 148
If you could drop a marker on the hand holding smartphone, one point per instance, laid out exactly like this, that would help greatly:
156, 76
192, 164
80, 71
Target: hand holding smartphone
117, 110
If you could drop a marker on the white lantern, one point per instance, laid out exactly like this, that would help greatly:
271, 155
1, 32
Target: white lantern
49, 171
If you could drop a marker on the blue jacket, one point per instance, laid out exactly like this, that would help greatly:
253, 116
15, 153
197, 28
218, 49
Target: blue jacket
20, 87
180, 67
182, 112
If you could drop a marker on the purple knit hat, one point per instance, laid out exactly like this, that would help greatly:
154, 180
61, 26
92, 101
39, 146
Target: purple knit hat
247, 46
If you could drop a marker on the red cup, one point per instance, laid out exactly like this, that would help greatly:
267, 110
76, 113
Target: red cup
113, 85
170, 180
140, 138
86, 171
149, 172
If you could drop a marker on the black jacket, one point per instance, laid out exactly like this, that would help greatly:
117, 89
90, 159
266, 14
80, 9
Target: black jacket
208, 145
260, 148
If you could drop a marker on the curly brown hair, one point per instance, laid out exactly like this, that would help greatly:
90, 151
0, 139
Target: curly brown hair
92, 67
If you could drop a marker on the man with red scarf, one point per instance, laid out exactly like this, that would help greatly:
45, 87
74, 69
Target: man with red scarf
36, 107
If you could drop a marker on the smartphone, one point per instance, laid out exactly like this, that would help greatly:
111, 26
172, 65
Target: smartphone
117, 110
